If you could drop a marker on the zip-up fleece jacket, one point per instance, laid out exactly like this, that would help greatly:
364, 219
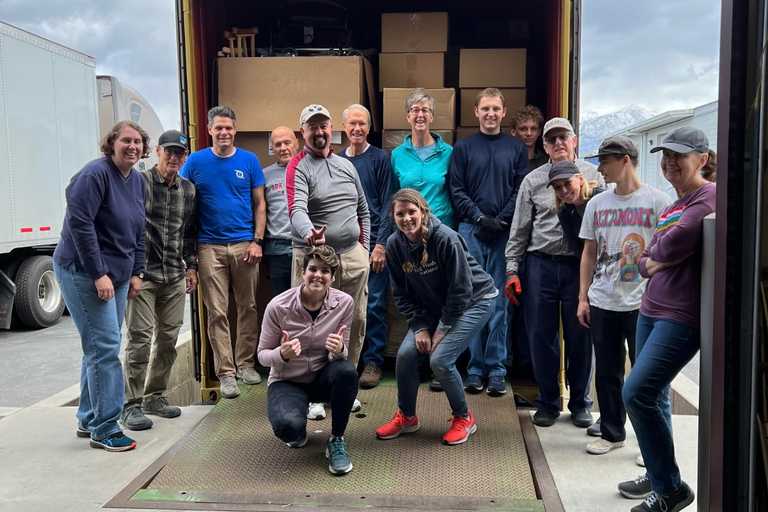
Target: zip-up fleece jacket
286, 313
439, 291
327, 192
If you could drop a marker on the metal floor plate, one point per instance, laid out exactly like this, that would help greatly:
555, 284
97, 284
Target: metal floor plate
233, 459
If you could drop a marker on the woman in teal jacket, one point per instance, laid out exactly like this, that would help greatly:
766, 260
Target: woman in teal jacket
421, 161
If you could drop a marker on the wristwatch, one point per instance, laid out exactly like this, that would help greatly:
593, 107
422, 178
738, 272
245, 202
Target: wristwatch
140, 275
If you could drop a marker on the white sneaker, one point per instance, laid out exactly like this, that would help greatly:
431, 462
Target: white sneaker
316, 411
356, 406
602, 446
639, 461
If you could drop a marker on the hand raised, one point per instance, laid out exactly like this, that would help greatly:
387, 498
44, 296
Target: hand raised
334, 343
289, 349
316, 236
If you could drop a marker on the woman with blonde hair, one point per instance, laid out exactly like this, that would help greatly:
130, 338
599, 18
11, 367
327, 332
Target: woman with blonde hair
446, 297
572, 193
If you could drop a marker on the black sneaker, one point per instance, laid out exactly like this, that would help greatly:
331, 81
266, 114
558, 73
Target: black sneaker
674, 502
473, 384
133, 418
582, 418
594, 429
496, 386
636, 489
545, 418
158, 406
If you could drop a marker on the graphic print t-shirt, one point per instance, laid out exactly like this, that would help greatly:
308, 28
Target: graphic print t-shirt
622, 227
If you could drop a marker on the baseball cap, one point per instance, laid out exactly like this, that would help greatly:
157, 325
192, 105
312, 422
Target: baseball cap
557, 122
311, 111
173, 138
562, 170
618, 145
684, 140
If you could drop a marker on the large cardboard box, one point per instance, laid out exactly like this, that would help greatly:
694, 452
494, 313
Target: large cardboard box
414, 32
266, 92
390, 139
502, 67
513, 98
411, 70
395, 115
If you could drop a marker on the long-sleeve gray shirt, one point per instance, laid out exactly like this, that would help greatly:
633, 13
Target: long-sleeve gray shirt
535, 225
327, 192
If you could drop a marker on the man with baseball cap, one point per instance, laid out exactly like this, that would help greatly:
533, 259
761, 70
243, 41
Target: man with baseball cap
170, 271
327, 205
617, 226
551, 282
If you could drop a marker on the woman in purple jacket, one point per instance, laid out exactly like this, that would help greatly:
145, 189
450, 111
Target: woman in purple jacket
305, 341
668, 325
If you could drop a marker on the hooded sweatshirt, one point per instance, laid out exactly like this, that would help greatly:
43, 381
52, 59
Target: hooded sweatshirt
439, 291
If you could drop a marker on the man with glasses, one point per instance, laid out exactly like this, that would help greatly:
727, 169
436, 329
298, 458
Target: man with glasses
551, 283
170, 271
327, 205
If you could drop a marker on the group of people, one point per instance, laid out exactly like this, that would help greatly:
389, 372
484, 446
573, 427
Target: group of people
454, 232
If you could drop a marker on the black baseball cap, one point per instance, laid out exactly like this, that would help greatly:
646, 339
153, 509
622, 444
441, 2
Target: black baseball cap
173, 138
684, 140
618, 145
563, 170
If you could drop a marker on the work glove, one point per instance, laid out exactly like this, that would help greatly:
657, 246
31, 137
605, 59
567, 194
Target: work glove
513, 288
489, 228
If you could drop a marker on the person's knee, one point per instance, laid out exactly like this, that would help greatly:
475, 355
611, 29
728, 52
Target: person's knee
439, 366
290, 427
344, 372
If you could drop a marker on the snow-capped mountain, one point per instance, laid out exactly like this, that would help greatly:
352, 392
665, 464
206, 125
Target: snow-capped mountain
593, 127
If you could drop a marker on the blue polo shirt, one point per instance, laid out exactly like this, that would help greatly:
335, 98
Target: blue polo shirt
224, 185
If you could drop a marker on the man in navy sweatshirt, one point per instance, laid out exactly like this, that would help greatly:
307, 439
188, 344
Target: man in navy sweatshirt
486, 171
379, 183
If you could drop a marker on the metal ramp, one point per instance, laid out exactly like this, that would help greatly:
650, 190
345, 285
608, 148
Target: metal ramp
232, 461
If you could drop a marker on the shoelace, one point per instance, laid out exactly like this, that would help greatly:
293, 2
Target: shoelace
653, 499
336, 447
642, 478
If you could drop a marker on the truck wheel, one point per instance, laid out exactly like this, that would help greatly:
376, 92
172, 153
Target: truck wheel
39, 302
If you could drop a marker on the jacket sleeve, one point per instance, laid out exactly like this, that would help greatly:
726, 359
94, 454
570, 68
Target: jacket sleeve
520, 229
85, 195
297, 192
268, 351
521, 170
465, 207
683, 239
454, 265
346, 319
363, 215
387, 184
413, 311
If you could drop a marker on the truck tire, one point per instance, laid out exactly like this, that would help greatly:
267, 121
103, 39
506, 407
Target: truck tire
39, 302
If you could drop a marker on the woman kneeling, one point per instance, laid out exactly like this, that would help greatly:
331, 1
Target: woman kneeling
446, 297
304, 340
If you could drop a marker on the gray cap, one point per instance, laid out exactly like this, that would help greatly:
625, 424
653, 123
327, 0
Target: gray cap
684, 140
557, 122
562, 170
311, 111
618, 145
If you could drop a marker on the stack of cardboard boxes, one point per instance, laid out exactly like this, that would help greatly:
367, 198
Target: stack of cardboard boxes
503, 68
413, 47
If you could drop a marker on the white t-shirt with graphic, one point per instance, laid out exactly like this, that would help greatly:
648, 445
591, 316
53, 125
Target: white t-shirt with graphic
622, 227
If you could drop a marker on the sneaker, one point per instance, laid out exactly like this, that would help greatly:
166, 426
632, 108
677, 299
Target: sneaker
602, 446
594, 429
133, 418
582, 418
545, 418
301, 443
461, 428
316, 411
640, 461
229, 387
158, 406
371, 376
249, 376
496, 386
636, 489
356, 405
339, 462
473, 384
674, 502
435, 385
399, 424
117, 442
82, 432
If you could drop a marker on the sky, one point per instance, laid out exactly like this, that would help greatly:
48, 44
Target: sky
657, 54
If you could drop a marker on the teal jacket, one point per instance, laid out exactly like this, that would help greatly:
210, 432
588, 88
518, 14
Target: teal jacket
429, 177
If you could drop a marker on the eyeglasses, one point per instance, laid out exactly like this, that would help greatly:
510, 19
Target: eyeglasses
420, 110
174, 151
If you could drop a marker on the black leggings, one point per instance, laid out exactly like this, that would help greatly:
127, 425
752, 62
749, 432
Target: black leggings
287, 401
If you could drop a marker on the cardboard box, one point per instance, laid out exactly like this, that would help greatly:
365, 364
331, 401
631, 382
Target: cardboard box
411, 70
261, 144
513, 98
414, 32
503, 67
266, 92
395, 115
390, 139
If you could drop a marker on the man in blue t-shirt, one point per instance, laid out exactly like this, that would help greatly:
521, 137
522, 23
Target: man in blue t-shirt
232, 218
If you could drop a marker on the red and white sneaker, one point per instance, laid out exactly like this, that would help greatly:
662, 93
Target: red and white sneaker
461, 429
399, 424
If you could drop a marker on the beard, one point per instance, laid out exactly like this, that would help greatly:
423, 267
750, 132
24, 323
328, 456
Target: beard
319, 141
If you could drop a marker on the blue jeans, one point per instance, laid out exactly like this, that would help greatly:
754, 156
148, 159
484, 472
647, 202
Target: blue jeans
102, 391
488, 349
664, 347
442, 360
376, 327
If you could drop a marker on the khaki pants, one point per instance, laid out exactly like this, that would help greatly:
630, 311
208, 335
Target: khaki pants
352, 278
158, 310
222, 266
